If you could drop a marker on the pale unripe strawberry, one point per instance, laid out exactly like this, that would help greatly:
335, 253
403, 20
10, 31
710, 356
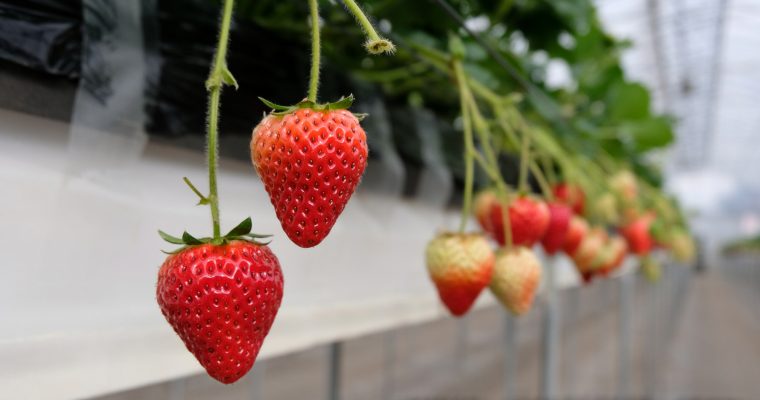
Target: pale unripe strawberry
606, 208
682, 246
484, 202
516, 276
624, 185
461, 266
587, 256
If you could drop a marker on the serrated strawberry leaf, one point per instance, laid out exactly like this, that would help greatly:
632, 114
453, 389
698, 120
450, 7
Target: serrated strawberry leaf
169, 238
243, 228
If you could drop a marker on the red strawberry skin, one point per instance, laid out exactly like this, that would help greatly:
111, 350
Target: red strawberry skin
310, 162
221, 301
576, 232
461, 266
559, 223
637, 235
572, 196
528, 218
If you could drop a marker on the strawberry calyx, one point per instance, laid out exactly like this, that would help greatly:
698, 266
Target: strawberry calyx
341, 104
241, 232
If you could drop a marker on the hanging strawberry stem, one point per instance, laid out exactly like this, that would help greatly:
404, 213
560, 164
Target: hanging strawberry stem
375, 44
219, 76
315, 51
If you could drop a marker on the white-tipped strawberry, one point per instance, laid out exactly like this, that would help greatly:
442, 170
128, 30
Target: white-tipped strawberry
461, 266
516, 276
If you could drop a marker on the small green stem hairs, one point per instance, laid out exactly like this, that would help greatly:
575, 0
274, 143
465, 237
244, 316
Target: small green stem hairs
315, 51
220, 75
375, 44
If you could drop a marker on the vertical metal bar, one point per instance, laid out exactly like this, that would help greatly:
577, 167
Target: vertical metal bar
624, 326
389, 380
334, 372
550, 335
510, 356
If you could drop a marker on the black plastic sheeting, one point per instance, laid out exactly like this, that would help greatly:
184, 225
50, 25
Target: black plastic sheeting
44, 35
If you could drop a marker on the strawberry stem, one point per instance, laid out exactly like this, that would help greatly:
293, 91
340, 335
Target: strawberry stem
315, 51
524, 160
218, 77
375, 43
469, 148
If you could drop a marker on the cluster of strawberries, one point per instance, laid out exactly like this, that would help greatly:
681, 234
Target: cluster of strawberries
462, 265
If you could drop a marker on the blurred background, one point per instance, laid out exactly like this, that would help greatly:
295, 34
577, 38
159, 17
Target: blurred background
102, 113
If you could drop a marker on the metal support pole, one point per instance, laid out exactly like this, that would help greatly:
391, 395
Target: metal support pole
624, 326
389, 379
510, 356
550, 340
334, 360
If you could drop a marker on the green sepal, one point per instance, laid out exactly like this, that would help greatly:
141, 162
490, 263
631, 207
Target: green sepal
242, 229
342, 104
169, 238
228, 78
190, 239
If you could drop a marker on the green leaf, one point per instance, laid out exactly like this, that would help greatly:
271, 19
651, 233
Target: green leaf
190, 239
243, 228
228, 78
169, 238
628, 101
257, 236
648, 134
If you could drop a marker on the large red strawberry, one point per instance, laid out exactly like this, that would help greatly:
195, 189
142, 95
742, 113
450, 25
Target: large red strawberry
221, 300
516, 276
559, 223
575, 234
460, 266
528, 218
571, 195
637, 234
310, 158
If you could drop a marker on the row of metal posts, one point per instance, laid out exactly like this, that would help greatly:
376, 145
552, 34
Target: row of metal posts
662, 312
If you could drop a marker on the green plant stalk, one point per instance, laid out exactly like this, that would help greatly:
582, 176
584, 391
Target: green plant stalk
542, 182
490, 163
218, 76
315, 51
468, 154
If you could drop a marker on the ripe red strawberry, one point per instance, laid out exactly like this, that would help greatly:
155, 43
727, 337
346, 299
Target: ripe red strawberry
221, 300
310, 162
484, 202
571, 195
575, 234
638, 236
559, 223
517, 273
460, 266
528, 218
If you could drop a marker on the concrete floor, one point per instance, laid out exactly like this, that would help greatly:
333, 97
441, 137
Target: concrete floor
690, 336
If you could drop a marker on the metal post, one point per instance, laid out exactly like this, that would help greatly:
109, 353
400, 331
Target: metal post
624, 326
389, 380
334, 360
550, 340
510, 355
